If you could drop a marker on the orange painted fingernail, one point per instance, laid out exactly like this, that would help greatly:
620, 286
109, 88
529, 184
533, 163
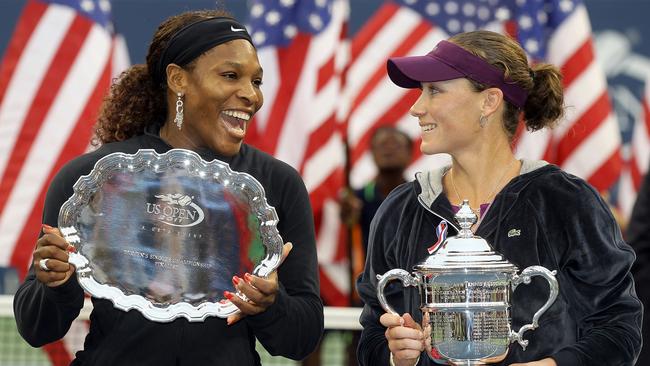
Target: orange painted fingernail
228, 295
46, 226
235, 280
248, 277
72, 249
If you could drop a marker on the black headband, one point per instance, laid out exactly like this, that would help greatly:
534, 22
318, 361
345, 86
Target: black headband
194, 39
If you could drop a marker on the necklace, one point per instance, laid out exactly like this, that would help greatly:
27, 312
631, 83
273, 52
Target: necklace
477, 211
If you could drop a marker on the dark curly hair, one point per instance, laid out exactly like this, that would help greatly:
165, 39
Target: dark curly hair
543, 82
135, 100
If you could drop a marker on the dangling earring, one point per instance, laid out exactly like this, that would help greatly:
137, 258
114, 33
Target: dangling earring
179, 111
482, 121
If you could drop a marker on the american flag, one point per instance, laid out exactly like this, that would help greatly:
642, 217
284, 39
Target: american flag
636, 156
53, 76
639, 160
301, 45
586, 143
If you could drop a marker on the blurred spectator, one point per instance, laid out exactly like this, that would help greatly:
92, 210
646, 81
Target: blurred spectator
392, 152
638, 236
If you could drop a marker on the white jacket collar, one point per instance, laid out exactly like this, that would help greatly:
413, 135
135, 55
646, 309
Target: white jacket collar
431, 181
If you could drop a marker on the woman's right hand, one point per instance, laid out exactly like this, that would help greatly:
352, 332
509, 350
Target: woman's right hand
405, 338
54, 249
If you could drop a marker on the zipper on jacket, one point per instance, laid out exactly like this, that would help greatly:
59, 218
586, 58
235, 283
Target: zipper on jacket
440, 216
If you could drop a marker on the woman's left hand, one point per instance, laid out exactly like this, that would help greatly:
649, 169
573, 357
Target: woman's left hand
545, 362
261, 292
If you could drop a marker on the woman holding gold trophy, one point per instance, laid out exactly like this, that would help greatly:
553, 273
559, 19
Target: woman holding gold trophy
198, 91
476, 87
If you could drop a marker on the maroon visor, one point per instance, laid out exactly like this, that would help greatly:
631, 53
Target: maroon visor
449, 61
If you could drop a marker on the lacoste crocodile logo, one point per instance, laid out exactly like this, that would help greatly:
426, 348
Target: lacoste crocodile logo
514, 232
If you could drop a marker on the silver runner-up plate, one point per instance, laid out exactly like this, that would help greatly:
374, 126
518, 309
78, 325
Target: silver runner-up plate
165, 233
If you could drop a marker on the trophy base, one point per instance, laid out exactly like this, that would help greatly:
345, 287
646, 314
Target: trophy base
468, 362
441, 355
485, 361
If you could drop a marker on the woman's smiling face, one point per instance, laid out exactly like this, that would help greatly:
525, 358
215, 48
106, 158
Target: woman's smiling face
448, 114
221, 96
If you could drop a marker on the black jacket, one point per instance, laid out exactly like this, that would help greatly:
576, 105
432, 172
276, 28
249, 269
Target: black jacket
291, 327
559, 222
638, 235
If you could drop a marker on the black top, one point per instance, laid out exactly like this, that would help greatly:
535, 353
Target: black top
291, 327
543, 217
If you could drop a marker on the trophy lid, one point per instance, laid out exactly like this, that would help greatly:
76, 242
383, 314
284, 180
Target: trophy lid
465, 251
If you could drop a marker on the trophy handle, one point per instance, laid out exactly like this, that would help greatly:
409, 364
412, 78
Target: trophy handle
399, 274
525, 277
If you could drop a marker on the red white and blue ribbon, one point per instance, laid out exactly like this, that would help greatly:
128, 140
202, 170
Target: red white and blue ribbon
441, 232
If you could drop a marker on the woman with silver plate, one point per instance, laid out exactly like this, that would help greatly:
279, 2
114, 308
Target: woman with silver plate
198, 90
476, 87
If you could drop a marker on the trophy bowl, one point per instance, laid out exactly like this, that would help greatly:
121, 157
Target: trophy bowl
465, 293
165, 233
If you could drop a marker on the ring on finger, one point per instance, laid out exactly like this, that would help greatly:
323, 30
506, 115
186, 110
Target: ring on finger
43, 264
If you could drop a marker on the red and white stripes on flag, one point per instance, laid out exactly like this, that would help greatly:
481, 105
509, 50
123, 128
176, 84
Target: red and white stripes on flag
587, 142
298, 123
637, 157
54, 74
640, 145
370, 99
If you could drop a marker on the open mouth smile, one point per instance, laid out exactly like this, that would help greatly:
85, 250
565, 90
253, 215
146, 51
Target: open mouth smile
236, 121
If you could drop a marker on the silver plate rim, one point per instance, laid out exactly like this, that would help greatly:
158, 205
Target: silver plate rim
88, 184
